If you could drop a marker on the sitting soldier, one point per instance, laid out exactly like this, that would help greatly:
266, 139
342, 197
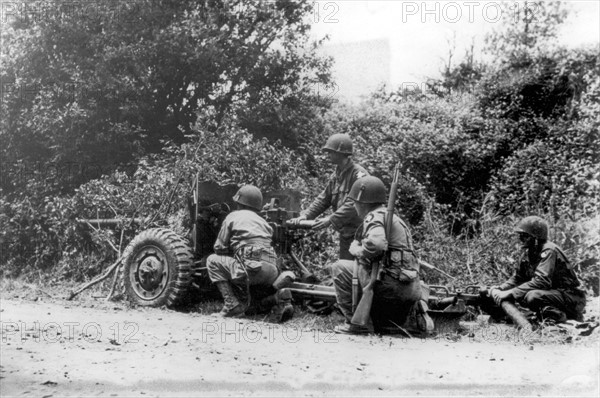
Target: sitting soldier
244, 258
544, 281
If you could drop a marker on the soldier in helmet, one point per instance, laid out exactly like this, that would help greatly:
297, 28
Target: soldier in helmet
244, 258
399, 289
344, 218
544, 281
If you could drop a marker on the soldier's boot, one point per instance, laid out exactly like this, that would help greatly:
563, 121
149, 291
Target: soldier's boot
349, 328
424, 321
553, 314
281, 305
285, 279
231, 305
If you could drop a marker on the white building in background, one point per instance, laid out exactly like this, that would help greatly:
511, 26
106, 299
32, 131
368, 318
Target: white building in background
403, 43
359, 67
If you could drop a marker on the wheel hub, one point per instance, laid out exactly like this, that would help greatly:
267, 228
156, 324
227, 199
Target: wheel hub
149, 273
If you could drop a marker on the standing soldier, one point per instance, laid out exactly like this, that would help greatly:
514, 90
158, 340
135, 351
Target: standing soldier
344, 218
244, 257
399, 289
544, 281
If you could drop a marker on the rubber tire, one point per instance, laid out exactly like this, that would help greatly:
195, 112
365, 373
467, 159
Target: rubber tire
179, 260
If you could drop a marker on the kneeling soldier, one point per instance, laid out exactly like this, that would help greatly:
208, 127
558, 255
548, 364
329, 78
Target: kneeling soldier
399, 290
244, 258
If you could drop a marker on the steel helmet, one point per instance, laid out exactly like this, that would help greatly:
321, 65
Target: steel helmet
368, 190
249, 195
340, 143
534, 226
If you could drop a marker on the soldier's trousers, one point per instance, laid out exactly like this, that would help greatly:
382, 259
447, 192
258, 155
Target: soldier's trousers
392, 300
571, 303
345, 242
251, 282
342, 281
226, 268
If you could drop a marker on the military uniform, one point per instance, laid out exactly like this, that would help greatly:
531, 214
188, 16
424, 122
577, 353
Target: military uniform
245, 262
243, 251
344, 218
399, 287
545, 278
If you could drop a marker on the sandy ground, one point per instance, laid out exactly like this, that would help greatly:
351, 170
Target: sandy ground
59, 348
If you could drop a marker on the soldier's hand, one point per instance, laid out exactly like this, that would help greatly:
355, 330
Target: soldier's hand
297, 220
321, 223
499, 296
487, 290
355, 248
493, 287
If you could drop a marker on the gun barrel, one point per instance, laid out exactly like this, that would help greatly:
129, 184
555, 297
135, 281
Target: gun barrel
304, 224
311, 291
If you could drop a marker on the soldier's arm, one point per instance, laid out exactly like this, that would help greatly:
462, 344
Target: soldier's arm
510, 282
346, 211
542, 279
222, 243
321, 203
516, 279
374, 242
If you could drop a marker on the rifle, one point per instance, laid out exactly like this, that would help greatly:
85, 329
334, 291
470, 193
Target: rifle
363, 310
355, 286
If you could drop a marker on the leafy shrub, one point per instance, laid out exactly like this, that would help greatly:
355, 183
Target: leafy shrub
560, 172
491, 256
38, 231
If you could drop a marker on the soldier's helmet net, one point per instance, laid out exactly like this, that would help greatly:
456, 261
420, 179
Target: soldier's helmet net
534, 226
340, 143
249, 195
368, 190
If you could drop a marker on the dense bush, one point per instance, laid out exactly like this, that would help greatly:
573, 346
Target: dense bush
39, 231
558, 172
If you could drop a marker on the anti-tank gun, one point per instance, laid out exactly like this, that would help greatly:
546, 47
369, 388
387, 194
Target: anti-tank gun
286, 235
161, 267
285, 232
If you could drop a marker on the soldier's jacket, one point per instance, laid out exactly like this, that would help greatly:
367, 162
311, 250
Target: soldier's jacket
335, 195
544, 270
403, 264
243, 228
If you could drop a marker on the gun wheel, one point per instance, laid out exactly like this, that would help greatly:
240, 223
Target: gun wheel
156, 269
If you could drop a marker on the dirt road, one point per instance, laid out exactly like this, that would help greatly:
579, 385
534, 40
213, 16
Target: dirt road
63, 349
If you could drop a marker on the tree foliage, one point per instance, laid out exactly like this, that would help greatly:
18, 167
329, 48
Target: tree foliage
106, 82
526, 28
